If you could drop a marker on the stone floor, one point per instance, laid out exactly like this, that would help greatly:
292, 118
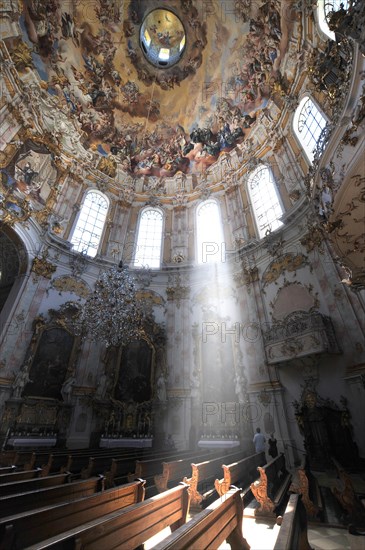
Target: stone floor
262, 536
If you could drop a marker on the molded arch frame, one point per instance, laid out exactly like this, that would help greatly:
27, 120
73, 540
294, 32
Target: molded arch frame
74, 227
249, 177
220, 253
308, 154
138, 225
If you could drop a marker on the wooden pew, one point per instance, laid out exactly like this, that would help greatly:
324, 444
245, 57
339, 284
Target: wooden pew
128, 528
147, 469
306, 485
203, 476
293, 531
31, 527
347, 497
19, 476
8, 469
95, 462
57, 463
22, 502
24, 459
271, 489
173, 471
30, 485
121, 468
45, 458
220, 521
240, 474
98, 465
7, 458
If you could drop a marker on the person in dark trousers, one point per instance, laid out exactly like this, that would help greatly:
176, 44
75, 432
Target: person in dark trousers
273, 448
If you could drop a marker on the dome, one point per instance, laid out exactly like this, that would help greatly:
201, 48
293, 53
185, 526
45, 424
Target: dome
162, 37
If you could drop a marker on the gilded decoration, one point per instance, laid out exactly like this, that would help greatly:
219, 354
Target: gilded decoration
13, 209
330, 70
313, 239
67, 283
41, 267
150, 296
177, 291
247, 276
298, 335
286, 263
21, 55
28, 183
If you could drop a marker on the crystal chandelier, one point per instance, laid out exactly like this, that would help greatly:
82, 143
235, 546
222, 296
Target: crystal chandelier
112, 314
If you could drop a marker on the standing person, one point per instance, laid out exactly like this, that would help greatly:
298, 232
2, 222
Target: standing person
273, 448
259, 441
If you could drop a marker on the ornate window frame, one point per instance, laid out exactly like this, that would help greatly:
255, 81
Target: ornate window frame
270, 223
90, 249
138, 240
301, 118
217, 253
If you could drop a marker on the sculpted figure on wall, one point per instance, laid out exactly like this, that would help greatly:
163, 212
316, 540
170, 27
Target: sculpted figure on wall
22, 378
66, 390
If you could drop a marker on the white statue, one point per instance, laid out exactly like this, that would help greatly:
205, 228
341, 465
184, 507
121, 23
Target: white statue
22, 378
101, 387
66, 389
161, 388
239, 387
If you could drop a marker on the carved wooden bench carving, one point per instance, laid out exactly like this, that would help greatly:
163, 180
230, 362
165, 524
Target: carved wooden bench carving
301, 486
272, 487
202, 478
239, 473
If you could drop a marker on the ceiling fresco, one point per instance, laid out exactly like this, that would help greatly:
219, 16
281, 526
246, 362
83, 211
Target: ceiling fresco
151, 120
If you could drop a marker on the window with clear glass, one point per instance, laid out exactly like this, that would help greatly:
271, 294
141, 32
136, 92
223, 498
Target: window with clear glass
90, 224
265, 200
149, 239
210, 239
309, 123
324, 10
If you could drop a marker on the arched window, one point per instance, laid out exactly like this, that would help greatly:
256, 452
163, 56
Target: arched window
308, 123
324, 10
265, 200
209, 232
89, 227
149, 239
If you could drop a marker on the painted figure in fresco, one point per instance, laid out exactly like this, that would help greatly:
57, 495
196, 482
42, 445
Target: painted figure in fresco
22, 378
28, 173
